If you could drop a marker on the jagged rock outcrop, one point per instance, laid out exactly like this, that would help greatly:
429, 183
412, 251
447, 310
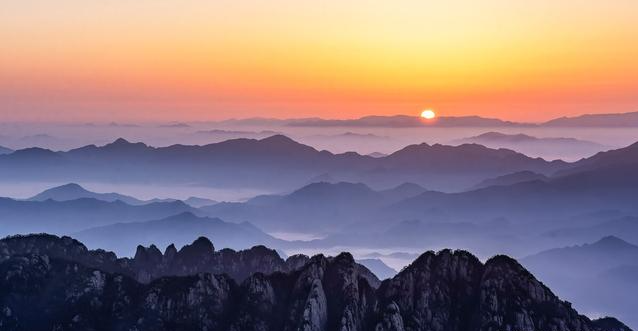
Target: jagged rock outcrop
45, 288
149, 263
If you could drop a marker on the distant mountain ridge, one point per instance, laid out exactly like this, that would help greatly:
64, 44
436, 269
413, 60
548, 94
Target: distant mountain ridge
393, 121
520, 197
403, 121
510, 179
570, 149
629, 119
503, 137
73, 191
323, 206
64, 217
276, 162
596, 120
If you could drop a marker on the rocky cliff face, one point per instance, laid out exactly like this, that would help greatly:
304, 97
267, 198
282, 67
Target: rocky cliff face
48, 286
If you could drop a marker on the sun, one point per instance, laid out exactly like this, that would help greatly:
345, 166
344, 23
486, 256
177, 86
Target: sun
428, 114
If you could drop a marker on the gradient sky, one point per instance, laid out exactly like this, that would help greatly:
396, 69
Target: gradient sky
98, 60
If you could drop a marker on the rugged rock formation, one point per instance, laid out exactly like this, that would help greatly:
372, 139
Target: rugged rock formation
149, 263
48, 286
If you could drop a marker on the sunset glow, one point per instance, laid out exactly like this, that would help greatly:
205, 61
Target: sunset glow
428, 114
150, 60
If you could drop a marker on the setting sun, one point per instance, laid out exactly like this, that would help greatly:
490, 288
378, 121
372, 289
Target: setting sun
428, 114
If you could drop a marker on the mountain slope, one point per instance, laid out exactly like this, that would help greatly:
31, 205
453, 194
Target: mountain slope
444, 291
617, 157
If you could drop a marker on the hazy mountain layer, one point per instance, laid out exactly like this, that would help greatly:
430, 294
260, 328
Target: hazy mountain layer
64, 217
510, 179
313, 208
596, 120
554, 148
276, 162
74, 191
179, 229
599, 278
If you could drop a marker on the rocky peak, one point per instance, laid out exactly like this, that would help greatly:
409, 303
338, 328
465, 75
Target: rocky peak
170, 252
447, 291
199, 247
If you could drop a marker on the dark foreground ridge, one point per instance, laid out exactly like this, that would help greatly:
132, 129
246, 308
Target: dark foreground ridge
52, 283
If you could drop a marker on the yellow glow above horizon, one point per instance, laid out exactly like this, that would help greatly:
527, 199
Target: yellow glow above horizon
191, 59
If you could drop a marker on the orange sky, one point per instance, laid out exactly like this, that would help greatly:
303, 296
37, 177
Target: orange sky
198, 60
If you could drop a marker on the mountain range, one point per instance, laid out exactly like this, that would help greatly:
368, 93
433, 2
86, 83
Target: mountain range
403, 121
517, 199
48, 282
65, 217
276, 162
74, 191
629, 119
507, 207
313, 207
596, 120
555, 148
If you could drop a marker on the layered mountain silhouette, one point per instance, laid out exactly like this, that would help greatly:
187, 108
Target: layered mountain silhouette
74, 191
64, 217
618, 158
180, 229
594, 186
628, 119
553, 148
607, 181
313, 207
275, 162
596, 120
396, 121
510, 179
56, 283
597, 277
